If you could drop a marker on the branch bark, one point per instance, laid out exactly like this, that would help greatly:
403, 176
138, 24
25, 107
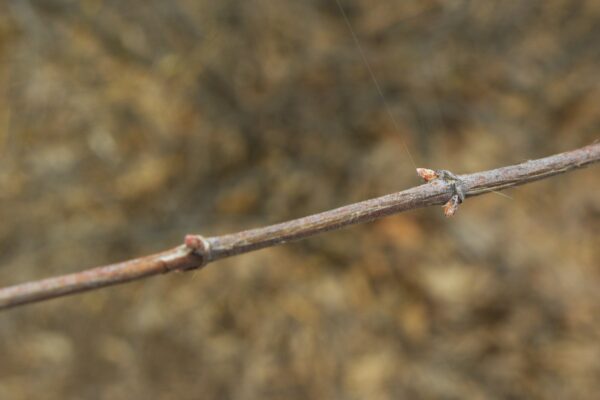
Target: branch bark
197, 251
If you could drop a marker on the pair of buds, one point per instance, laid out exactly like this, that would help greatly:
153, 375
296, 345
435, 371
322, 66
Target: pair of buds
449, 178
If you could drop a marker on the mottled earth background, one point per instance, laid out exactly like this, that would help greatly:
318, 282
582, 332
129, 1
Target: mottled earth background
125, 125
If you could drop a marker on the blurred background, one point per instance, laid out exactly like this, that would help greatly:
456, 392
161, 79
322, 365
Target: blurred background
126, 125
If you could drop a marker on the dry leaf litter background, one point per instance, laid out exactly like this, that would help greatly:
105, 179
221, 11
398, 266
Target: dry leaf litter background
125, 125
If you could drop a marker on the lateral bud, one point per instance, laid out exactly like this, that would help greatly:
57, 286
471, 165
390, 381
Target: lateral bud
199, 245
451, 206
427, 174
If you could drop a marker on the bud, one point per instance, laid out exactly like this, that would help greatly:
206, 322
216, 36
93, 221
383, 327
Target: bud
427, 174
451, 206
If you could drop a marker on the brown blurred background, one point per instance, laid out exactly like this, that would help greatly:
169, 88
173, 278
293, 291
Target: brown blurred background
126, 124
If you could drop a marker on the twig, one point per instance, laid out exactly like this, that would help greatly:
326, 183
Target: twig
197, 251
